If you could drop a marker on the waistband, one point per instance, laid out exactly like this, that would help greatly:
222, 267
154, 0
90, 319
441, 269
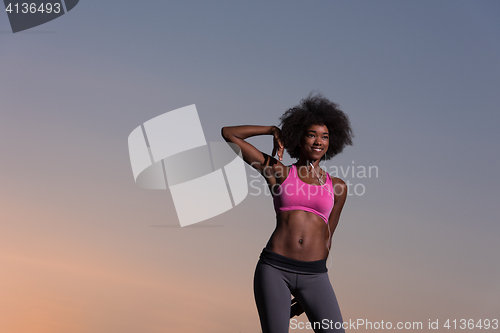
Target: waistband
292, 265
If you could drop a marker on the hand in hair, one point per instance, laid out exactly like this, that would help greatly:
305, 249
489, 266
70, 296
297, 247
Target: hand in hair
277, 143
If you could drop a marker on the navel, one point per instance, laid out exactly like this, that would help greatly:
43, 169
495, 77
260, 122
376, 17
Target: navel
300, 241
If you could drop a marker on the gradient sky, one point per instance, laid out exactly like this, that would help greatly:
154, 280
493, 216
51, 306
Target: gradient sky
83, 249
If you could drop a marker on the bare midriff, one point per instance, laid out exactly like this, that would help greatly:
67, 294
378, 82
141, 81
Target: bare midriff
299, 235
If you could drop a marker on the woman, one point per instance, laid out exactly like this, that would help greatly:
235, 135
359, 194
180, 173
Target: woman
308, 203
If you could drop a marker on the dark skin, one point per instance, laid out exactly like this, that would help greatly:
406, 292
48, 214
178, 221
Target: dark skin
299, 234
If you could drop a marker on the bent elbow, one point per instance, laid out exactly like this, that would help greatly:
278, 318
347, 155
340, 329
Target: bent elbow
225, 133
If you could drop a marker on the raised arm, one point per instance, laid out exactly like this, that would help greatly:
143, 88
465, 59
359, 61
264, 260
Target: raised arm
257, 159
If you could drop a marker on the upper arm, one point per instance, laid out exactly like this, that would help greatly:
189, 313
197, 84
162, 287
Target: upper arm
267, 165
340, 190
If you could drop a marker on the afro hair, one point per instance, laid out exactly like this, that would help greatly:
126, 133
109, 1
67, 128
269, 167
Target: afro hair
315, 109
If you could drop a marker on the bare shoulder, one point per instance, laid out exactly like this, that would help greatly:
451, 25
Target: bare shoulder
278, 171
273, 170
281, 170
338, 181
339, 187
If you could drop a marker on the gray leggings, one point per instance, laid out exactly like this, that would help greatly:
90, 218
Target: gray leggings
272, 289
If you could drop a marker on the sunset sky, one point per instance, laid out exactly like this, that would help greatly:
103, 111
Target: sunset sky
84, 249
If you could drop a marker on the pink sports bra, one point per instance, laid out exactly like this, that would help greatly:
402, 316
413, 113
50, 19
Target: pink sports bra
295, 194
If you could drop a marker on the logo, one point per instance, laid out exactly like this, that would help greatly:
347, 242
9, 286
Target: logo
205, 180
26, 14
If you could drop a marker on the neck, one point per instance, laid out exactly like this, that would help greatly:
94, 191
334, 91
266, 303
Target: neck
305, 161
302, 161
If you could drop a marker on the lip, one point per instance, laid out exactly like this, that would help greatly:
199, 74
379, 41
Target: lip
316, 149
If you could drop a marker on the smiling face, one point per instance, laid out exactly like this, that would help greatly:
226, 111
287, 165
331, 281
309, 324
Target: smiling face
314, 143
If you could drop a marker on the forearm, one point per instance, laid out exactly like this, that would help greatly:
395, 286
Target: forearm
251, 155
246, 131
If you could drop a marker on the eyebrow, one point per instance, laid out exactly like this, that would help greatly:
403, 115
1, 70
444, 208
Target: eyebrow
315, 132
